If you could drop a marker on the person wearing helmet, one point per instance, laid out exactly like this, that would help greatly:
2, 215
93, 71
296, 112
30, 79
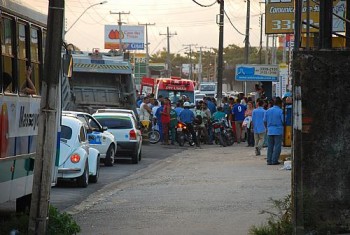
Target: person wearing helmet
187, 116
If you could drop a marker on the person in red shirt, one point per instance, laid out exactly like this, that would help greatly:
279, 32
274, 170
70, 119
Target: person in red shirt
165, 118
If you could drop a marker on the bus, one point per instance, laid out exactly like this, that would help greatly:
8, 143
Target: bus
23, 36
175, 88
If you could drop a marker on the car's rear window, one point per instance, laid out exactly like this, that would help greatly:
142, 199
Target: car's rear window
115, 122
66, 132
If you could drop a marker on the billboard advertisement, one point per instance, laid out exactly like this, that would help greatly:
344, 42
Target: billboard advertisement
257, 72
132, 37
280, 16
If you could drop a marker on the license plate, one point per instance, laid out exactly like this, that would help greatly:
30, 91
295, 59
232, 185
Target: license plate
217, 130
179, 129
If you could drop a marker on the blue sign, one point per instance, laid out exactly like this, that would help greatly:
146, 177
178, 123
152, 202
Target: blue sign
253, 72
136, 46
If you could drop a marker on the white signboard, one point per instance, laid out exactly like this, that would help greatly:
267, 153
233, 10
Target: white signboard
257, 72
132, 37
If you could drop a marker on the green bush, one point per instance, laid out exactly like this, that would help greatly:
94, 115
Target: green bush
59, 223
280, 220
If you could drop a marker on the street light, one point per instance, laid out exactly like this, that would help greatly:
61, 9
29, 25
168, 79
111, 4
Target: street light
100, 3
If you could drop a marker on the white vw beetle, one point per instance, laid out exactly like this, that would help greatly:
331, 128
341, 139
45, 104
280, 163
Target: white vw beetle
77, 159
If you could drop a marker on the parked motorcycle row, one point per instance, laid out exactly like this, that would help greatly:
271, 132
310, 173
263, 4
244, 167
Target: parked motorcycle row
222, 134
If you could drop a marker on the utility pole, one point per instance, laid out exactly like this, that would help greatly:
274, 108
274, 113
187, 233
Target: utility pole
120, 28
261, 33
47, 129
220, 50
190, 56
148, 74
200, 79
246, 51
168, 34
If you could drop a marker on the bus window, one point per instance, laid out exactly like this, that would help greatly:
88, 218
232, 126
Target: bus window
35, 59
22, 55
8, 83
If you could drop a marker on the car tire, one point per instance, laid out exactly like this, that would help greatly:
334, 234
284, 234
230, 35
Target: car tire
140, 155
83, 180
94, 178
109, 160
135, 158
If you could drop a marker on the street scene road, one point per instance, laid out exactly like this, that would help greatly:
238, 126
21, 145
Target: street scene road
207, 190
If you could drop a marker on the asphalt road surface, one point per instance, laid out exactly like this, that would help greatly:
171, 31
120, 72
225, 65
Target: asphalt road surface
67, 194
210, 190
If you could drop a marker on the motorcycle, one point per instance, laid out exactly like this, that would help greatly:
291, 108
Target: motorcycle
219, 133
228, 132
183, 134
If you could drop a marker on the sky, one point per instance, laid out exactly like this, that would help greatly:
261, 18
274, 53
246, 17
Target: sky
191, 23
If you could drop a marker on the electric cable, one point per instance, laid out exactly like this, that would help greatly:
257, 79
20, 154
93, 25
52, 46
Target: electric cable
212, 4
232, 24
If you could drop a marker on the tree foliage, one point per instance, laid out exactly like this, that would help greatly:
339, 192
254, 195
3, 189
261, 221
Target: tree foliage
232, 55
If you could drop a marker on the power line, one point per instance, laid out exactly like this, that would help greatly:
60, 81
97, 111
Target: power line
232, 24
202, 5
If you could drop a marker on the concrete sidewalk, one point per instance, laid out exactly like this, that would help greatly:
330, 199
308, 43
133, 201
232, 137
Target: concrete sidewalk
208, 190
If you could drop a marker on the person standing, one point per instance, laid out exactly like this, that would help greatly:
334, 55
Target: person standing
165, 117
145, 113
173, 124
238, 112
258, 126
248, 126
273, 120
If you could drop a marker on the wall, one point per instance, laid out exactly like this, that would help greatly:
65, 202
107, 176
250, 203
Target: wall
321, 170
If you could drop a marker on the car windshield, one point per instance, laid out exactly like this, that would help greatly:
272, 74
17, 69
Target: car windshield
207, 87
66, 132
115, 122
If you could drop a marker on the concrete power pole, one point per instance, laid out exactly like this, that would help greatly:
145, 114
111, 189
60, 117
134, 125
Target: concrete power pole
148, 74
168, 34
220, 51
246, 51
120, 28
47, 130
190, 55
200, 66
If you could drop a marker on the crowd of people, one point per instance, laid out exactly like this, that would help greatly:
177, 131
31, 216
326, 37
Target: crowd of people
259, 123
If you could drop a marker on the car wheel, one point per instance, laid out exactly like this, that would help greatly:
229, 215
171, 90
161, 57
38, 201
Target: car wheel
135, 158
83, 180
140, 155
94, 178
109, 160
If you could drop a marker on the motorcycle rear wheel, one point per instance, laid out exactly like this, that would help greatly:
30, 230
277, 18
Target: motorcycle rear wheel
154, 136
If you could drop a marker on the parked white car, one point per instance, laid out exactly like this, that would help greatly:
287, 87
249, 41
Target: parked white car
77, 160
126, 133
117, 111
99, 137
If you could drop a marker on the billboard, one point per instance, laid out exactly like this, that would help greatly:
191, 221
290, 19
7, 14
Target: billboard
280, 16
132, 37
257, 72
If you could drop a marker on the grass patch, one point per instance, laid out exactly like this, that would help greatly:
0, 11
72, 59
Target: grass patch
279, 221
59, 223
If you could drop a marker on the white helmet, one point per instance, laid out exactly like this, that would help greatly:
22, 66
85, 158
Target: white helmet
187, 104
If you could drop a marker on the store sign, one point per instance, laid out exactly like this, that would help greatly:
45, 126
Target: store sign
280, 16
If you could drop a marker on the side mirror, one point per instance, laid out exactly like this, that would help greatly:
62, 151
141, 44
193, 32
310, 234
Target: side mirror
104, 128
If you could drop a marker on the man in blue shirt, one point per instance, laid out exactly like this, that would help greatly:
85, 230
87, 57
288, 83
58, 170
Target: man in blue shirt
238, 111
274, 122
211, 105
258, 126
187, 116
